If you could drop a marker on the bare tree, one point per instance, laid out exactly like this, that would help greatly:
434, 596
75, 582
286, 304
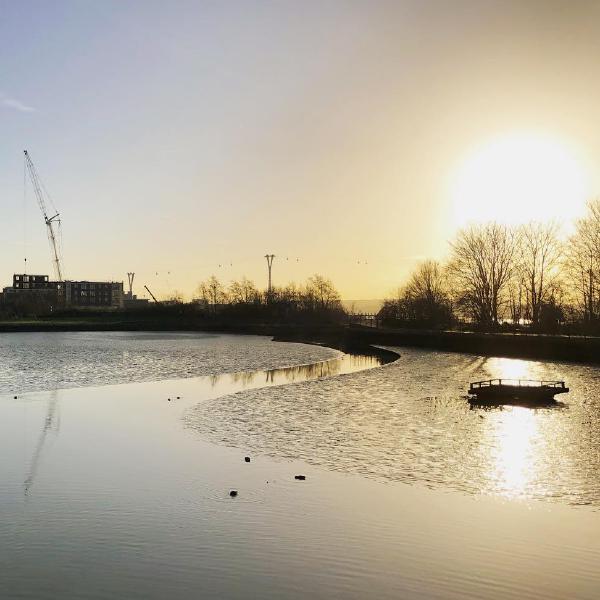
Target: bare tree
216, 291
322, 292
212, 292
428, 283
481, 265
540, 252
425, 297
289, 294
243, 291
203, 293
517, 297
583, 261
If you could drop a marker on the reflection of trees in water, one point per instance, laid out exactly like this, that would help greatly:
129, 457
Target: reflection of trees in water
300, 372
327, 368
244, 378
322, 369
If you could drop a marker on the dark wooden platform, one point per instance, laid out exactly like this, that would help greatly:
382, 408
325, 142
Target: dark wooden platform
515, 391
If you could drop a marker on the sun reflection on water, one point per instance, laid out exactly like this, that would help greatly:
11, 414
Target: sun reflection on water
510, 368
514, 441
515, 438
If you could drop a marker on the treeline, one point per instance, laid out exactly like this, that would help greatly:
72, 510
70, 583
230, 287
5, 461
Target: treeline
317, 299
525, 277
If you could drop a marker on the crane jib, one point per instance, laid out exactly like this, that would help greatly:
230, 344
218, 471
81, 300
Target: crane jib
49, 221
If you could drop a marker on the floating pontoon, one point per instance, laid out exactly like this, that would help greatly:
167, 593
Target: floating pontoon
515, 391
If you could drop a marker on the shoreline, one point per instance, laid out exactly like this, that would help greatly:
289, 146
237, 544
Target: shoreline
345, 356
356, 338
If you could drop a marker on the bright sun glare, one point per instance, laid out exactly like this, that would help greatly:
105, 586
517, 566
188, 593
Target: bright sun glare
518, 178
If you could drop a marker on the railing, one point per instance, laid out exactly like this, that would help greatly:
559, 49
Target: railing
366, 319
517, 382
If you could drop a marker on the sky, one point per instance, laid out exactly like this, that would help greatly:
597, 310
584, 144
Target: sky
351, 139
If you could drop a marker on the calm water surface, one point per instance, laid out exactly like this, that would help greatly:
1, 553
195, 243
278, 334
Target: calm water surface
122, 491
409, 422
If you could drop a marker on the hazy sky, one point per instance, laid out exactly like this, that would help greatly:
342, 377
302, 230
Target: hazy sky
175, 137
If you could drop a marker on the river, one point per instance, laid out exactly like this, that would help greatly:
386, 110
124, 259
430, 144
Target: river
119, 452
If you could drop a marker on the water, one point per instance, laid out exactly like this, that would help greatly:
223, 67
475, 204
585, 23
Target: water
122, 491
409, 421
45, 361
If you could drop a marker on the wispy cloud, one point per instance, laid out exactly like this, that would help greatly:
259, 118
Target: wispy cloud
7, 101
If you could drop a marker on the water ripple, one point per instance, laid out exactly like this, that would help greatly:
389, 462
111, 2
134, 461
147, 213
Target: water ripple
46, 361
409, 421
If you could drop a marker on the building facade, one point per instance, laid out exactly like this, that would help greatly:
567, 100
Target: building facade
76, 294
31, 282
90, 293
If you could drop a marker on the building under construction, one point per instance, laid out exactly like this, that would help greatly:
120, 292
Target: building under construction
60, 292
65, 294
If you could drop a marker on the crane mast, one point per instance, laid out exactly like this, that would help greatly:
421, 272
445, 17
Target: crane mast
50, 221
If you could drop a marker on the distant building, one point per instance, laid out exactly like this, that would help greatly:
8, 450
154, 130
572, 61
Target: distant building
31, 282
90, 293
81, 294
31, 293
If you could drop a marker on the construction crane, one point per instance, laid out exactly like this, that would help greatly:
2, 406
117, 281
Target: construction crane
40, 192
153, 296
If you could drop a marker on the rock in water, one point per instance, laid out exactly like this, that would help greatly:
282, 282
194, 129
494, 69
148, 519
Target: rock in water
233, 493
247, 458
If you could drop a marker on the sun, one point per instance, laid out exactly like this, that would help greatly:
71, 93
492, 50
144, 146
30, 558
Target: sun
517, 178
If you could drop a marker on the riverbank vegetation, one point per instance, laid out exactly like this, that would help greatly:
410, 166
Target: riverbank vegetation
500, 277
316, 300
240, 302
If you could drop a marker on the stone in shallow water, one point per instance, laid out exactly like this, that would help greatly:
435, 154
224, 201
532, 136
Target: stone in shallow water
247, 458
233, 493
